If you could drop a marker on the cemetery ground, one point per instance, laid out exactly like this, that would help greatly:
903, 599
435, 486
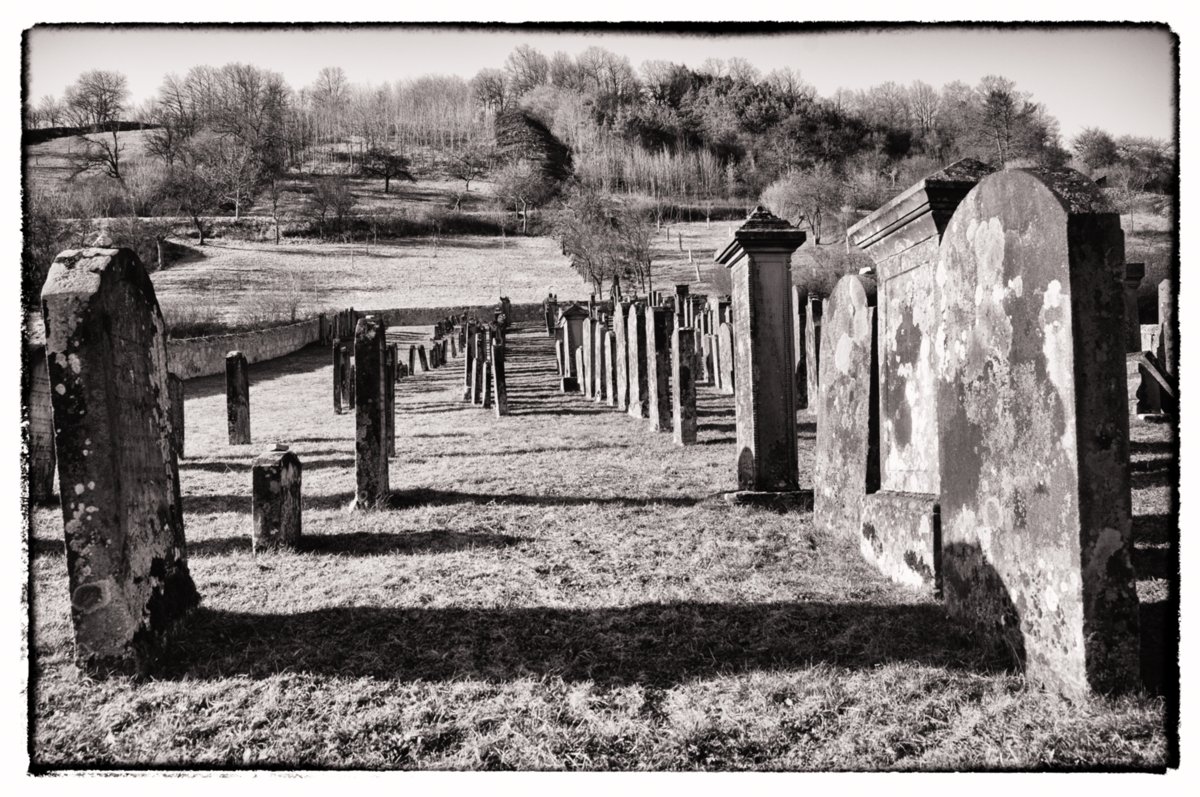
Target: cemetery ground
558, 588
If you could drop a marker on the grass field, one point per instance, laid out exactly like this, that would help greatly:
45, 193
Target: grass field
556, 589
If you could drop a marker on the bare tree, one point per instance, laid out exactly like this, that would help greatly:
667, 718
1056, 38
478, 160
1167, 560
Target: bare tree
388, 165
96, 102
471, 162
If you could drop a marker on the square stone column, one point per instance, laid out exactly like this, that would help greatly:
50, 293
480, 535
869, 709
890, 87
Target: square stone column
759, 259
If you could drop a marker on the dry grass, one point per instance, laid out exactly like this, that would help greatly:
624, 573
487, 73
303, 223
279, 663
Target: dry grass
236, 278
557, 589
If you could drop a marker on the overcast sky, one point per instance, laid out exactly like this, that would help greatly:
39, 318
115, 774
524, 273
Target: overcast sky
1118, 79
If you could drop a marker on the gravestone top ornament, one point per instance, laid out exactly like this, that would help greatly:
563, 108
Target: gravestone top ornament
762, 230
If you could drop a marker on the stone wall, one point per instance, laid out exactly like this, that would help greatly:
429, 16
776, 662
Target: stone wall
193, 357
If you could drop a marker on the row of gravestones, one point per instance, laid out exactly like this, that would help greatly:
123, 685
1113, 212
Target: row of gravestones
118, 435
484, 346
973, 423
644, 357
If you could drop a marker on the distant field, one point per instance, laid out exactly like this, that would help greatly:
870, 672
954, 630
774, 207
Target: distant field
234, 279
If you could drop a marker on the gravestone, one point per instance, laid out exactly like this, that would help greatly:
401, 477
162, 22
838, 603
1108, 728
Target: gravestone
501, 387
175, 388
423, 357
728, 357
1166, 322
841, 472
570, 327
899, 531
237, 398
275, 488
610, 370
36, 392
601, 360
683, 386
106, 360
469, 354
799, 345
588, 375
635, 342
813, 313
347, 378
660, 323
759, 263
477, 375
1134, 272
488, 385
619, 397
370, 445
391, 365
339, 376
1033, 428
412, 360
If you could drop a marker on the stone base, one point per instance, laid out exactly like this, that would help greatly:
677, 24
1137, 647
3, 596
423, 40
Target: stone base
791, 501
900, 534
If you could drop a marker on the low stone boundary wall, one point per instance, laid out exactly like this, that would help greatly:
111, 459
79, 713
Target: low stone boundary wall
192, 357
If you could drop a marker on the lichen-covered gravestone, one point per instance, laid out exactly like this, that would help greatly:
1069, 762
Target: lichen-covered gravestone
840, 474
659, 325
1034, 445
275, 487
370, 445
683, 386
118, 477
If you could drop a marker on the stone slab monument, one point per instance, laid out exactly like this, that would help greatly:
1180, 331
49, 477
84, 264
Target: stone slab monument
237, 398
370, 444
106, 358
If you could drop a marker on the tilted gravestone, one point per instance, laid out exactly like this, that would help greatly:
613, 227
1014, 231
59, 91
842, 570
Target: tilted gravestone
275, 503
370, 445
759, 263
1033, 427
237, 398
118, 477
424, 358
683, 386
841, 472
635, 342
899, 531
660, 324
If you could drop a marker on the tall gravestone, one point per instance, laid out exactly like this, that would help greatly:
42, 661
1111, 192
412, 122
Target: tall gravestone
501, 386
726, 352
1167, 352
571, 329
660, 324
799, 345
237, 398
390, 366
1134, 273
899, 521
759, 262
469, 355
106, 358
347, 378
36, 393
175, 388
683, 386
635, 343
339, 354
813, 312
841, 470
1033, 428
610, 369
620, 328
275, 503
600, 363
370, 445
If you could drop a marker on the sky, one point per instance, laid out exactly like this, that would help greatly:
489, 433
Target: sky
1120, 79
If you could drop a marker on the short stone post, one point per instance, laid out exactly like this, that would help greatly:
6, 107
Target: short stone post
635, 343
237, 398
275, 484
106, 361
759, 260
683, 386
370, 447
660, 322
175, 388
501, 388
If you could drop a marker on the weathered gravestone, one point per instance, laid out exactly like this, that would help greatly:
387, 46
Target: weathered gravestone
660, 324
477, 374
601, 358
175, 388
118, 478
1134, 273
759, 262
571, 331
610, 368
237, 398
799, 345
844, 459
727, 355
275, 489
635, 342
899, 521
619, 397
391, 366
35, 388
587, 376
500, 385
813, 313
424, 358
370, 445
1167, 352
469, 355
347, 378
1033, 427
340, 370
683, 386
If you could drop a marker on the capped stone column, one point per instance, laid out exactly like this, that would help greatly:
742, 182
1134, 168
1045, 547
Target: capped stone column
759, 260
237, 398
370, 447
275, 484
106, 360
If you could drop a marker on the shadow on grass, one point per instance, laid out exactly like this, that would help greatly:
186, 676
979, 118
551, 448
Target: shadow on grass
311, 358
653, 644
361, 543
232, 466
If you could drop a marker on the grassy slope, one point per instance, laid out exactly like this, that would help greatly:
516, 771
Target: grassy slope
561, 589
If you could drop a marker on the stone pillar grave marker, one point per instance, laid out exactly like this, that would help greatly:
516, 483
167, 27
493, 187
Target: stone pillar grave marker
237, 398
275, 486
